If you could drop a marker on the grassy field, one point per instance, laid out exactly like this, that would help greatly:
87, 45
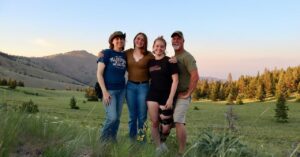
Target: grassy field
255, 124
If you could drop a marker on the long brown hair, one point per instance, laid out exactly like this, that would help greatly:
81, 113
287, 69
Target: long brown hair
145, 44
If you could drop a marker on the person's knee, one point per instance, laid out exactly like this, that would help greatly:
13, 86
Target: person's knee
179, 125
166, 131
155, 124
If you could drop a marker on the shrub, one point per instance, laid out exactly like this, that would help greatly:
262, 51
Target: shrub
29, 107
212, 144
90, 94
196, 108
73, 103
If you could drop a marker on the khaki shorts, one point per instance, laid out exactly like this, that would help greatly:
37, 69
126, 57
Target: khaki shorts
180, 110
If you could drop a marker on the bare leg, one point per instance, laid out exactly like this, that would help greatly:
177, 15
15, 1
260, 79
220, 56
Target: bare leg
153, 113
181, 137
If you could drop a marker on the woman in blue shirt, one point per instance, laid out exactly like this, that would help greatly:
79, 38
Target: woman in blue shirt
111, 78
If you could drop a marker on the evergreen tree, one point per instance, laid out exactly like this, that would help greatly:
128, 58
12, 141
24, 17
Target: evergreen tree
269, 83
21, 84
221, 94
261, 92
241, 85
229, 78
214, 91
205, 89
281, 87
73, 103
3, 82
196, 94
281, 110
12, 84
239, 99
230, 99
252, 89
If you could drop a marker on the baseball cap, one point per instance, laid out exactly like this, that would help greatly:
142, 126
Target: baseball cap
178, 33
116, 34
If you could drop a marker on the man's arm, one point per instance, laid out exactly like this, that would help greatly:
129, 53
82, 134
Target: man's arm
192, 86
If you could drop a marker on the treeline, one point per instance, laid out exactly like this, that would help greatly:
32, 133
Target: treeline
11, 83
259, 87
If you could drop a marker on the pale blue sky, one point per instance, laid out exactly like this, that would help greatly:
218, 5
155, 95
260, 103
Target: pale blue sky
238, 36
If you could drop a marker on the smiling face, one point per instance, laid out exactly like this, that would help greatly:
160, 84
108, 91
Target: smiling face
159, 47
177, 43
118, 43
140, 41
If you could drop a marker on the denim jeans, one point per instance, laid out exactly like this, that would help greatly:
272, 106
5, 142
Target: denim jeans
136, 101
113, 113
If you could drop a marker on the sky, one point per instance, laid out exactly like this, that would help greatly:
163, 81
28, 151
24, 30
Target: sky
242, 37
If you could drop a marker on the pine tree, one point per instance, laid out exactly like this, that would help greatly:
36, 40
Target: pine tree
252, 88
205, 89
281, 87
21, 84
261, 92
221, 94
230, 99
12, 84
214, 91
73, 103
196, 94
281, 110
239, 99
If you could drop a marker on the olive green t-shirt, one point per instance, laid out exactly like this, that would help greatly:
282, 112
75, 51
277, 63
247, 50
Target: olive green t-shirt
186, 64
138, 70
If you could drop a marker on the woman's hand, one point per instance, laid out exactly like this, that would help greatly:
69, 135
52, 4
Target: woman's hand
169, 104
106, 98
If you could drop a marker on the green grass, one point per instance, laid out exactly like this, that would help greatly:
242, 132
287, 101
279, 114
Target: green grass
76, 131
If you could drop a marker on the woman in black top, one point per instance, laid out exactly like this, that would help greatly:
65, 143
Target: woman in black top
164, 80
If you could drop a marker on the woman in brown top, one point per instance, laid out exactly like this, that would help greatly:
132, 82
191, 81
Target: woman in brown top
138, 84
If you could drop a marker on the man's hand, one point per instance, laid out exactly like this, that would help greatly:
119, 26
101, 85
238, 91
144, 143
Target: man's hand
184, 95
173, 60
100, 54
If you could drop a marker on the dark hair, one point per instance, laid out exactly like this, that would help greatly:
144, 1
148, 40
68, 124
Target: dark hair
146, 41
115, 35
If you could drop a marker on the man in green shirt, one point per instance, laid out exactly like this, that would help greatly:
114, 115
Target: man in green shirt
188, 78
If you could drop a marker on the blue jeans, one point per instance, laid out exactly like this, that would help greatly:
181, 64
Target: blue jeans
136, 101
113, 113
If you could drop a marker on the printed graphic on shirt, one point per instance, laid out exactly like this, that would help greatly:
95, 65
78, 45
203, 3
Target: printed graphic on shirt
154, 68
118, 62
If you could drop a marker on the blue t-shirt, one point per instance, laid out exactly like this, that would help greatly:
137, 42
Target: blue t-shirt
115, 68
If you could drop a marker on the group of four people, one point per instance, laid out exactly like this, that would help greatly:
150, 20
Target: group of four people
156, 83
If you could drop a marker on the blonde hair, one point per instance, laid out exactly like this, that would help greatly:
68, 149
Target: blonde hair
160, 38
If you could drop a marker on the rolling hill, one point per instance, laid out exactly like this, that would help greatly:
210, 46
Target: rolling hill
75, 69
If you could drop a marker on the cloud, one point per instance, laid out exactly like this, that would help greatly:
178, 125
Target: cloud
41, 42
